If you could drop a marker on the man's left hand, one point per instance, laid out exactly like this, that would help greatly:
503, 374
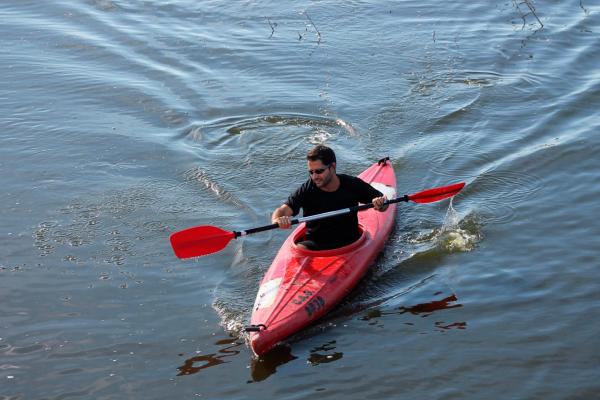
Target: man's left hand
379, 203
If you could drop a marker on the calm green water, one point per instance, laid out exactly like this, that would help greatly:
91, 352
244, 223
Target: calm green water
124, 121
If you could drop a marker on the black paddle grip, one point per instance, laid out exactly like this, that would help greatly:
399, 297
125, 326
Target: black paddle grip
262, 229
370, 205
398, 199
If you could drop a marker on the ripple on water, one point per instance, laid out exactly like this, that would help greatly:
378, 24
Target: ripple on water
108, 229
203, 177
493, 194
223, 131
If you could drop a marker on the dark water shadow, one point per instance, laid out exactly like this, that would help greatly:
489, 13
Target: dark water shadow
196, 364
266, 365
422, 310
324, 354
263, 367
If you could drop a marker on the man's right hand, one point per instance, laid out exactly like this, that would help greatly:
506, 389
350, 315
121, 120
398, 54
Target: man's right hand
283, 222
282, 216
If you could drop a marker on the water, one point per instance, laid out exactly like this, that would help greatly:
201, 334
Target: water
123, 122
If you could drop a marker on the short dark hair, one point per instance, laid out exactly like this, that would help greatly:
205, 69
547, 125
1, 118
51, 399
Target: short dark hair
321, 152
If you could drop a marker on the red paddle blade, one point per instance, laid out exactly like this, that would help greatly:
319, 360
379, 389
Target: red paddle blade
200, 241
436, 194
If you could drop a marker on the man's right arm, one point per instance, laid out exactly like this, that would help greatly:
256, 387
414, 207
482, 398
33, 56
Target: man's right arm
282, 216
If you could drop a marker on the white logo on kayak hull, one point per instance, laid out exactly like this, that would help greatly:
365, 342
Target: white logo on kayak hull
267, 293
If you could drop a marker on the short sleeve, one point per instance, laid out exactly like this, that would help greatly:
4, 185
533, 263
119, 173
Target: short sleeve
296, 199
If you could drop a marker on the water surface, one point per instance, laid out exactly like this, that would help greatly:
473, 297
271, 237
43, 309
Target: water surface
123, 122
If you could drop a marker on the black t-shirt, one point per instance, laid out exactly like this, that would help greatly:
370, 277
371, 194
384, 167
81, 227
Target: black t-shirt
335, 231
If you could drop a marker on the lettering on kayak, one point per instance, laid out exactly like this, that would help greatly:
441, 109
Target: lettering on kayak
302, 298
314, 306
267, 293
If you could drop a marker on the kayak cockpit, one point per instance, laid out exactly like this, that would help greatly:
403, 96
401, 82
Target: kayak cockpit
300, 234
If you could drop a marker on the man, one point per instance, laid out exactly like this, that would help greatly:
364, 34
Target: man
324, 191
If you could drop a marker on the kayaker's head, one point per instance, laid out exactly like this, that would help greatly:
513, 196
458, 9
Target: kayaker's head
321, 167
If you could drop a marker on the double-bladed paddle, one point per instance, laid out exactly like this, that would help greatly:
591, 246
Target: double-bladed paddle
206, 239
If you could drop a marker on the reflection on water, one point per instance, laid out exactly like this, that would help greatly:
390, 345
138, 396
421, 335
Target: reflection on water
423, 310
196, 364
428, 308
455, 325
266, 365
262, 367
324, 354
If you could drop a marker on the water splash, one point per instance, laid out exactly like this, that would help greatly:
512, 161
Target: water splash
457, 234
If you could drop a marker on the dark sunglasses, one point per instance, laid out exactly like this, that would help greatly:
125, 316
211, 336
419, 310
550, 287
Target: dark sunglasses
317, 171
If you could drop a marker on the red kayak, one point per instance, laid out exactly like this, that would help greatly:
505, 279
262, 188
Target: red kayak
303, 285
